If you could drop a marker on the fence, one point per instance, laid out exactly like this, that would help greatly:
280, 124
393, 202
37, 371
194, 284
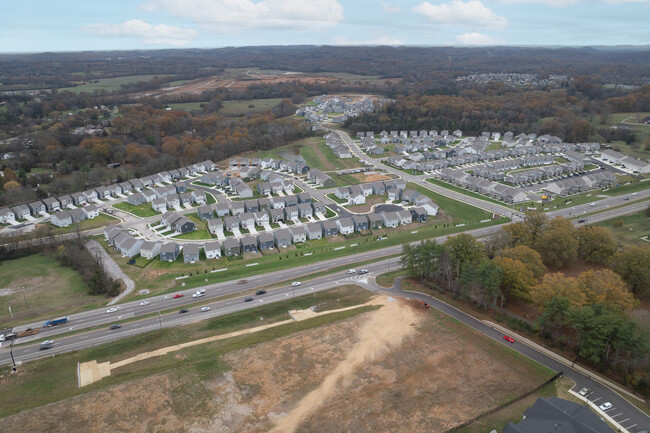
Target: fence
506, 404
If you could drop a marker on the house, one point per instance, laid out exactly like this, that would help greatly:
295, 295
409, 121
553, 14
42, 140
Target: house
190, 253
199, 197
366, 189
265, 204
231, 222
77, 215
180, 187
249, 244
419, 214
252, 205
330, 228
91, 211
146, 181
150, 249
360, 222
356, 198
277, 215
149, 195
114, 190
264, 188
184, 225
185, 198
557, 415
298, 234
61, 219
314, 231
173, 201
247, 219
102, 192
78, 198
404, 217
304, 197
409, 195
159, 204
205, 212
390, 219
291, 212
305, 210
7, 216
169, 251
282, 238
168, 219
66, 201
51, 204
20, 211
342, 192
130, 246
91, 195
126, 187
212, 250
375, 221
319, 208
222, 209
215, 225
231, 247
345, 225
261, 218
36, 208
290, 200
237, 207
265, 241
136, 199
278, 202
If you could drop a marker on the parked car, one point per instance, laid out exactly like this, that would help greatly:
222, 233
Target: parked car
178, 295
183, 311
111, 310
605, 406
144, 303
248, 299
115, 326
584, 391
508, 339
295, 284
203, 309
260, 292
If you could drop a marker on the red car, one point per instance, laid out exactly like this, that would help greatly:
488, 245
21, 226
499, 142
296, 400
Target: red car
508, 339
178, 295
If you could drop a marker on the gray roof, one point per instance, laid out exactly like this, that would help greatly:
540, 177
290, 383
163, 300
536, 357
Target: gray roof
212, 246
169, 247
190, 249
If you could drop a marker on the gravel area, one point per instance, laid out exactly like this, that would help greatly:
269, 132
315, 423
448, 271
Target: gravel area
112, 269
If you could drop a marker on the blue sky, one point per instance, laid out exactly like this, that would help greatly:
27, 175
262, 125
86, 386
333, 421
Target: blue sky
70, 25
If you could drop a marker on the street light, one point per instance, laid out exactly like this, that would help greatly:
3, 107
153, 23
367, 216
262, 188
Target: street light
11, 352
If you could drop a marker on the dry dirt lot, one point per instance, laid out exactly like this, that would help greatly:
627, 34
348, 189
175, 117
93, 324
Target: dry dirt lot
397, 369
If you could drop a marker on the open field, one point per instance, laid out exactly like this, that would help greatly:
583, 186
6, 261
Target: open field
88, 224
187, 106
317, 155
465, 191
330, 373
108, 84
142, 210
240, 108
357, 178
47, 290
629, 229
457, 210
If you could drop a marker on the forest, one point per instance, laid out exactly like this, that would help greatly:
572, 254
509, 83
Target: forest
591, 315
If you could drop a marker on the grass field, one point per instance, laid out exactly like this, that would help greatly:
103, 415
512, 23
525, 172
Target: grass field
48, 289
143, 210
88, 224
629, 229
317, 155
52, 379
240, 108
460, 212
187, 106
108, 84
465, 191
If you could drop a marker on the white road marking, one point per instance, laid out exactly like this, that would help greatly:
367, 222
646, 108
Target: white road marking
595, 400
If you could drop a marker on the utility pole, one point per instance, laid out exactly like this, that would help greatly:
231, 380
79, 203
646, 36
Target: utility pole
11, 352
25, 298
160, 319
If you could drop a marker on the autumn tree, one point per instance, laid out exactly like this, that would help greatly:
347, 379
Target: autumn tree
536, 223
557, 285
517, 279
558, 245
518, 234
606, 287
596, 244
633, 265
528, 257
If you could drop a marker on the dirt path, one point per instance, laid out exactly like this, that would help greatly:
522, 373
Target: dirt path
111, 268
386, 329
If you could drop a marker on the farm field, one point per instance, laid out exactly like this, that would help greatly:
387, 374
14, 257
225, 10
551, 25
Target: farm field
240, 108
330, 372
48, 290
108, 84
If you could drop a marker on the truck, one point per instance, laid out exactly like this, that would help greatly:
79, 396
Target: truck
27, 332
55, 322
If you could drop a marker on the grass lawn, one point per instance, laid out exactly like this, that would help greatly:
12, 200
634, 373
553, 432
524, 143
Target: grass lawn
201, 231
99, 221
49, 289
460, 212
494, 145
240, 108
629, 229
108, 84
335, 199
143, 210
209, 198
387, 279
187, 106
317, 155
628, 189
53, 379
465, 191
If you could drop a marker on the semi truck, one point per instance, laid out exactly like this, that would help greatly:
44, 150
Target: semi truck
55, 322
27, 332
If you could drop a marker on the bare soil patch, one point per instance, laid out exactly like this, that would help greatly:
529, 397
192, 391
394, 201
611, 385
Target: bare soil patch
399, 369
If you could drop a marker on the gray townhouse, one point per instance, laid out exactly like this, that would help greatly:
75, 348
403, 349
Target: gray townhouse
21, 211
252, 205
222, 209
237, 207
261, 218
375, 221
345, 225
36, 208
319, 208
77, 215
248, 244
291, 212
282, 238
190, 253
404, 217
169, 252
199, 197
215, 225
231, 247
360, 222
265, 204
314, 231
66, 201
330, 228
51, 204
126, 187
149, 249
231, 222
390, 219
212, 250
114, 190
305, 210
265, 241
298, 234
61, 219
205, 212
102, 192
277, 215
159, 205
136, 199
247, 219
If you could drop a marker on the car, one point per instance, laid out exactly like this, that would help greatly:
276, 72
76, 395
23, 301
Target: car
351, 271
198, 295
508, 339
363, 271
626, 198
183, 311
178, 295
592, 204
605, 406
581, 220
143, 303
260, 292
111, 310
242, 282
248, 299
47, 342
202, 291
115, 326
46, 346
584, 391
634, 193
295, 284
205, 309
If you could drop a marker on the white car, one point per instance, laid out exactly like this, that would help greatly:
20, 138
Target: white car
205, 308
605, 406
202, 291
48, 342
143, 303
352, 271
198, 295
111, 310
584, 391
295, 284
592, 204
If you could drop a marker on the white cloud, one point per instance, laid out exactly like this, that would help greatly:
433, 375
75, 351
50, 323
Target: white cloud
230, 15
392, 9
477, 39
160, 34
616, 2
456, 12
555, 3
380, 39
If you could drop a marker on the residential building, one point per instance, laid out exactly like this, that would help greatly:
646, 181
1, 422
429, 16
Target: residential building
149, 249
61, 219
360, 222
51, 204
169, 251
205, 212
21, 211
298, 234
190, 253
282, 238
136, 199
265, 241
212, 250
215, 225
330, 228
249, 244
375, 221
231, 247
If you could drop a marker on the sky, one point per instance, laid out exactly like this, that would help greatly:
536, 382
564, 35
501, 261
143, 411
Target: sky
71, 25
